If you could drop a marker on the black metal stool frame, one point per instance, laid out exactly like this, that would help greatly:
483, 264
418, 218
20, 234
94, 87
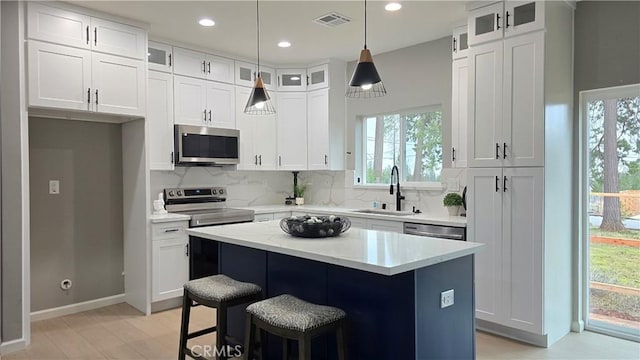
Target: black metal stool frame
254, 326
221, 321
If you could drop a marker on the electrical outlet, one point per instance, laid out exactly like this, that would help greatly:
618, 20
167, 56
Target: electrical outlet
446, 298
54, 187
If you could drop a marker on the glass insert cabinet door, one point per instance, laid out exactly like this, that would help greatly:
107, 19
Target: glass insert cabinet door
486, 23
160, 56
504, 19
523, 16
292, 79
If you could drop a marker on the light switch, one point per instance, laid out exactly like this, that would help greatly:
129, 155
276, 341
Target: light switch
54, 187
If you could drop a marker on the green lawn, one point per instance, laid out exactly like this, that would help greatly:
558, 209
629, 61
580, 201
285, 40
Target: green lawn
615, 264
627, 234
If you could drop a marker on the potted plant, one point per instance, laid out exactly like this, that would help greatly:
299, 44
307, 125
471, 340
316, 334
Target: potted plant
298, 192
453, 201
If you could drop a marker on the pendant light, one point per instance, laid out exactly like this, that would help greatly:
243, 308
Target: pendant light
365, 81
259, 102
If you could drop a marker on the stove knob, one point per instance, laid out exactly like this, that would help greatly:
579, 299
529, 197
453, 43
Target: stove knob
171, 193
220, 191
179, 192
215, 191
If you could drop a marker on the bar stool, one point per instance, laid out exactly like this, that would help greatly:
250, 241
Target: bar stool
219, 292
291, 318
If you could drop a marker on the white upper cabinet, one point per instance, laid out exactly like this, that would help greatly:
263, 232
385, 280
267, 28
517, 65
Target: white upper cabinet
507, 18
59, 76
63, 77
269, 78
58, 26
204, 103
245, 73
203, 66
118, 39
460, 42
292, 131
69, 28
292, 79
160, 57
257, 136
459, 112
318, 77
318, 129
160, 120
119, 85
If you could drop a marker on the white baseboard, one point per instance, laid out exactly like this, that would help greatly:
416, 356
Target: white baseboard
516, 334
12, 346
166, 304
76, 308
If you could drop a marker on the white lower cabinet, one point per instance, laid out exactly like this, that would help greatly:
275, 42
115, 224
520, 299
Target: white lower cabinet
170, 260
271, 216
385, 225
505, 212
63, 77
160, 120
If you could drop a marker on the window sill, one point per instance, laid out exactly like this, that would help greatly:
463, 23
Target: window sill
429, 187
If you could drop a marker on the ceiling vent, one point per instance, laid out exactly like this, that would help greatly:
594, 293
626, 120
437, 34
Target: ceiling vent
332, 19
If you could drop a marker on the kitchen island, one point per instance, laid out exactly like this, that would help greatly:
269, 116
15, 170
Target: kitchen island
389, 284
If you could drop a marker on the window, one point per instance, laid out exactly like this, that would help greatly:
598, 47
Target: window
412, 140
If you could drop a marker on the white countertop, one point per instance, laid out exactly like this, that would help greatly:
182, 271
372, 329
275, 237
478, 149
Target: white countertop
380, 252
155, 219
456, 221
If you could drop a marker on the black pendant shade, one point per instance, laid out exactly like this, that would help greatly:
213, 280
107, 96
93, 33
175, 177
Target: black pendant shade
259, 102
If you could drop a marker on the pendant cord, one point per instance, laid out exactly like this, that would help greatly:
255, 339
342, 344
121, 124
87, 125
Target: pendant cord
258, 36
365, 24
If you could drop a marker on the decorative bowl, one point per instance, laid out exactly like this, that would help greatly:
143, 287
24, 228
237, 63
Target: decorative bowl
315, 226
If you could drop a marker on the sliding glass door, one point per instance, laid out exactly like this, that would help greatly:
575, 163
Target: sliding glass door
612, 201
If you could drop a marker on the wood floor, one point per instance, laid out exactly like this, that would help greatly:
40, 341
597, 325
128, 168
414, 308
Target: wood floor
121, 332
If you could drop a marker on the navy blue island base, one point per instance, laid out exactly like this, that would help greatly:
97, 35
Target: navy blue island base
388, 317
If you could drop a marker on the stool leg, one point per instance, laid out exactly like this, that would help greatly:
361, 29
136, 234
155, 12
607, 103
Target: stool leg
340, 341
259, 341
221, 331
249, 332
285, 349
184, 326
304, 347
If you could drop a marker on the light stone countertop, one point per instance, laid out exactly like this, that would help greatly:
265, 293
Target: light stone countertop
380, 252
424, 218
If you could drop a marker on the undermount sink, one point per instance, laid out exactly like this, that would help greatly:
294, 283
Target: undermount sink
384, 212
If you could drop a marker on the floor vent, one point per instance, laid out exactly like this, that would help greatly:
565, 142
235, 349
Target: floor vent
332, 19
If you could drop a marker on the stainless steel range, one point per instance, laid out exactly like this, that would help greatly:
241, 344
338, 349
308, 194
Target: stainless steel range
207, 207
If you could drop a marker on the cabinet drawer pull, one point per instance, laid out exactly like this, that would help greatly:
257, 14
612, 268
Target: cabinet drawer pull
497, 151
171, 230
497, 182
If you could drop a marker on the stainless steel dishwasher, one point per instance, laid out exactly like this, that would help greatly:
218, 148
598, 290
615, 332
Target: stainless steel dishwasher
436, 231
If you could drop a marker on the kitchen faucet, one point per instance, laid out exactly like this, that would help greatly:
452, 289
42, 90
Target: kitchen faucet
399, 196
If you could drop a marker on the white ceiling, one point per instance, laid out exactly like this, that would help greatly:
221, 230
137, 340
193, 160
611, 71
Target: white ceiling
235, 29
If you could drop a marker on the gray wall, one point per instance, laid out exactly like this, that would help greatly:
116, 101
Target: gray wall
414, 76
77, 234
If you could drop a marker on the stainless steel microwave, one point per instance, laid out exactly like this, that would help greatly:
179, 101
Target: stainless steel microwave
202, 145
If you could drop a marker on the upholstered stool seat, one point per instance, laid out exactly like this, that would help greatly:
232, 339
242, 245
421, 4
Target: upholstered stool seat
219, 292
291, 318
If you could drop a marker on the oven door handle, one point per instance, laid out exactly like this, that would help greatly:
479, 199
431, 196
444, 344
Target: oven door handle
439, 236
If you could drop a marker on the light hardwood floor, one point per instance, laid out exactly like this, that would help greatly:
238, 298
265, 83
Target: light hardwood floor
121, 332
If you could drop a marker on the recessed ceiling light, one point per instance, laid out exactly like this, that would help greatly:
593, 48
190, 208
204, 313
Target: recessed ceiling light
393, 6
206, 22
284, 44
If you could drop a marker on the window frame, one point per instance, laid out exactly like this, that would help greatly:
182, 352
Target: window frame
361, 155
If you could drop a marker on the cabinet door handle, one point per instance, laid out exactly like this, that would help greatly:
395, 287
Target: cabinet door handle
204, 112
454, 44
172, 157
169, 60
506, 20
504, 184
87, 34
256, 159
279, 160
497, 151
186, 249
504, 150
209, 67
95, 36
497, 21
96, 96
89, 96
260, 160
171, 230
326, 159
278, 80
453, 152
209, 115
307, 80
204, 66
497, 184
